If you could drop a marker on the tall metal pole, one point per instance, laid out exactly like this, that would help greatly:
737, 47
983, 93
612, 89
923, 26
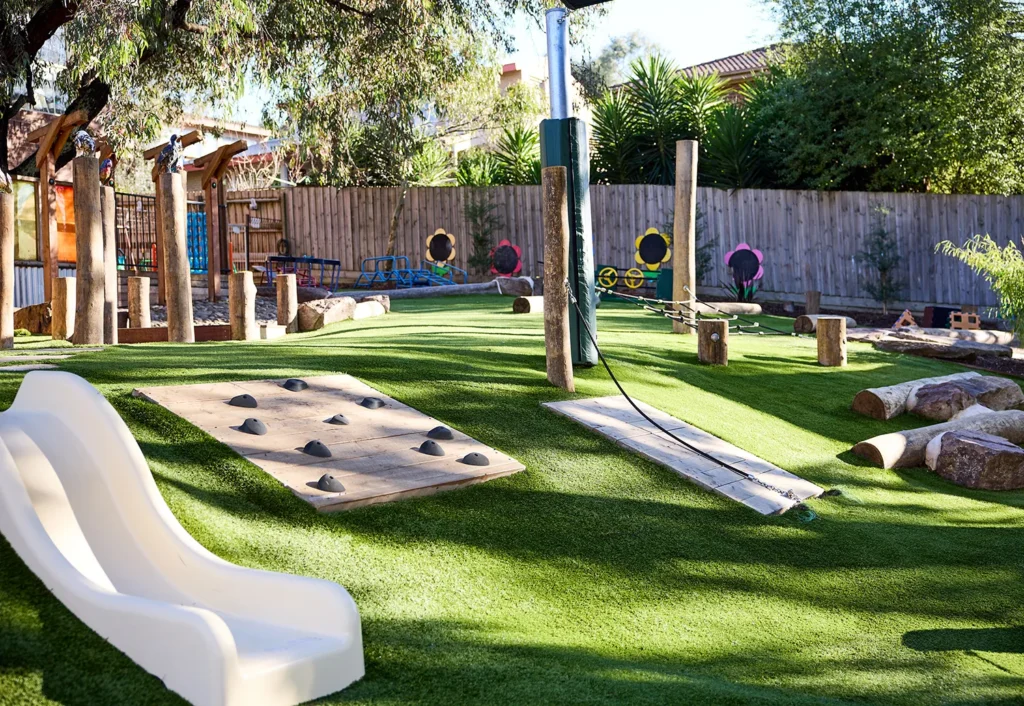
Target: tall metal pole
558, 61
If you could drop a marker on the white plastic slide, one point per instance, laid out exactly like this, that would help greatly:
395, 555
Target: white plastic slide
80, 507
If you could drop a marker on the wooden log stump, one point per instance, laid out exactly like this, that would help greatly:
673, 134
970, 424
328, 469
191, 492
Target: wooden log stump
178, 273
891, 401
6, 270
528, 305
138, 302
89, 248
558, 351
713, 341
831, 341
906, 449
108, 212
242, 307
809, 324
812, 302
287, 302
62, 323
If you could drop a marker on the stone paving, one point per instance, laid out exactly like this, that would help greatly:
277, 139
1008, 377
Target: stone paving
614, 418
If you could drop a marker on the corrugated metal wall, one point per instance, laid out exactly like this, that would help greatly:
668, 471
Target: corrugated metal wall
28, 282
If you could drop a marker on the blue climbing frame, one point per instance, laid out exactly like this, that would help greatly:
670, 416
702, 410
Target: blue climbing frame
394, 270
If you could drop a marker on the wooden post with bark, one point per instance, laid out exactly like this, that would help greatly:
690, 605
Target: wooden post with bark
832, 341
180, 328
6, 270
242, 306
51, 139
684, 246
62, 322
214, 165
108, 211
812, 302
89, 273
713, 341
287, 302
138, 302
557, 343
152, 153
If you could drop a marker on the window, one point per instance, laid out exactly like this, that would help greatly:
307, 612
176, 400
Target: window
25, 222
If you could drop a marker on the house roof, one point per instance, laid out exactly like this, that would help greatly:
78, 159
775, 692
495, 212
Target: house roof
749, 62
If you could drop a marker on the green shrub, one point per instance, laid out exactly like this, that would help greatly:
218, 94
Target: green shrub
1002, 268
882, 256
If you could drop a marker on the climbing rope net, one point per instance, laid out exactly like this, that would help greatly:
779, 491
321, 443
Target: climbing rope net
690, 313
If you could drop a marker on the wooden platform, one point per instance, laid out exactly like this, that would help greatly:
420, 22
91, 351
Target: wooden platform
614, 418
376, 457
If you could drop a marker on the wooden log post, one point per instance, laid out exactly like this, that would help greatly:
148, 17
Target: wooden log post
713, 341
287, 302
528, 305
684, 247
832, 341
242, 307
48, 226
6, 270
62, 323
89, 273
812, 302
178, 274
138, 302
108, 210
557, 345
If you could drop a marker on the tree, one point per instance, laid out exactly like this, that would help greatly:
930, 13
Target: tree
897, 95
611, 67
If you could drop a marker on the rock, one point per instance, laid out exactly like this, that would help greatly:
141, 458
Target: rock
383, 299
944, 401
935, 347
940, 402
368, 310
316, 314
981, 461
35, 318
515, 286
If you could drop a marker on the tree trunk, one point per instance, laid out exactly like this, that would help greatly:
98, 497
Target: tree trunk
891, 401
395, 218
906, 449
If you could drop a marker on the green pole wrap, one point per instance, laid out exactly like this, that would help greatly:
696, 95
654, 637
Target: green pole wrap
563, 143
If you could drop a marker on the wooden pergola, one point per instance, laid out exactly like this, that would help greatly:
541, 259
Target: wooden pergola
152, 153
214, 165
51, 139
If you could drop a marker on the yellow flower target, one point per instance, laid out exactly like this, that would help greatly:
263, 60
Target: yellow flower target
652, 249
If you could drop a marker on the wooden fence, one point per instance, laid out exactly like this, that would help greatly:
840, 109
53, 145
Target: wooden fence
810, 240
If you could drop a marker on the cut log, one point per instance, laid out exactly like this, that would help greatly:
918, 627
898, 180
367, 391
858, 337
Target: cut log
108, 211
809, 324
34, 318
62, 325
889, 402
730, 308
945, 349
831, 334
314, 315
89, 270
242, 307
287, 303
138, 302
175, 266
528, 305
509, 286
713, 341
906, 449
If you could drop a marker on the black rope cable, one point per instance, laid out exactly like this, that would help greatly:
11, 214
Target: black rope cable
743, 474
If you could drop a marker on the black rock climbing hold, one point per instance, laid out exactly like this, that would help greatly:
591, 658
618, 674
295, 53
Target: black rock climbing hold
338, 419
295, 385
254, 426
372, 402
330, 484
243, 401
476, 459
317, 448
431, 448
441, 434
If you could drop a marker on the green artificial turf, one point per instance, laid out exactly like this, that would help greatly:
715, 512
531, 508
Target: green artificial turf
594, 577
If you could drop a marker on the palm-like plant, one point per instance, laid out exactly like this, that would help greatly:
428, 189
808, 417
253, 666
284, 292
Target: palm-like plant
518, 155
653, 95
478, 168
731, 159
615, 159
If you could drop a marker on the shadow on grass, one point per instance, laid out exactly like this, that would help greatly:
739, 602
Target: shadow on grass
1008, 640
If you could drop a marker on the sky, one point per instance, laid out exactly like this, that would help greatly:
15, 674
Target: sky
690, 31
